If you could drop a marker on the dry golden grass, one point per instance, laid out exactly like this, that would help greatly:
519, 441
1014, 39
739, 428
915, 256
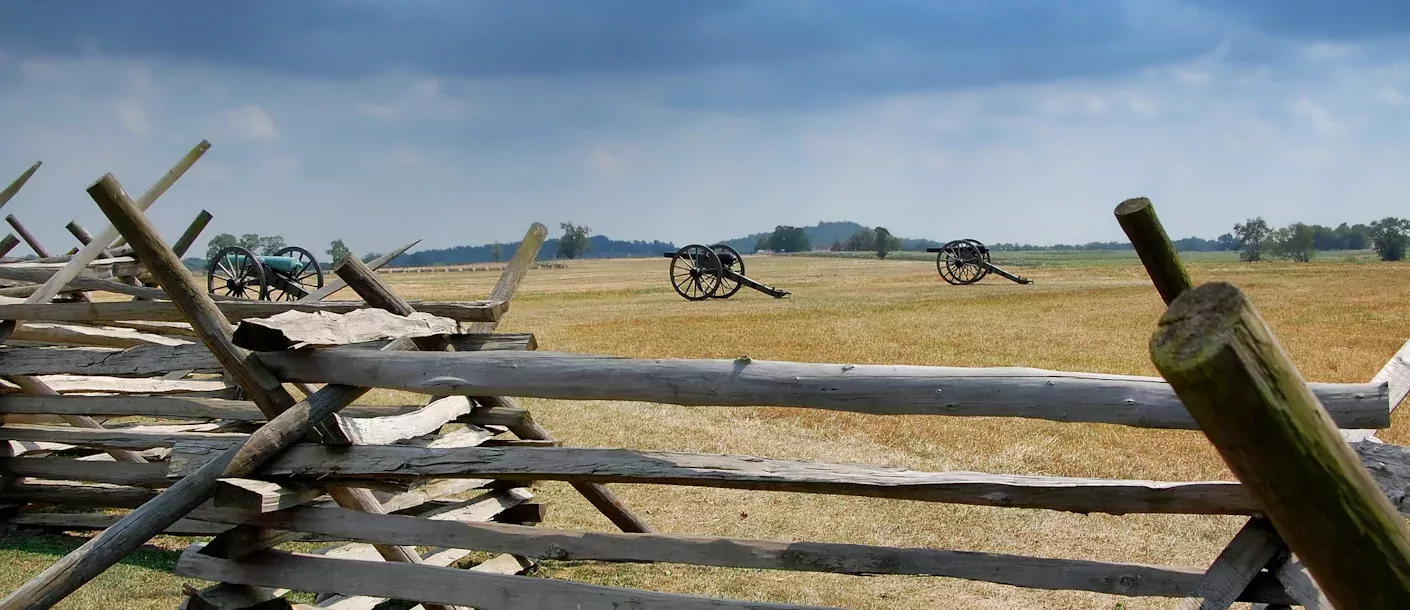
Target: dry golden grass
1340, 321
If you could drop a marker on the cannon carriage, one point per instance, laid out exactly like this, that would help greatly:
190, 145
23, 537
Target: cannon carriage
289, 275
716, 272
966, 261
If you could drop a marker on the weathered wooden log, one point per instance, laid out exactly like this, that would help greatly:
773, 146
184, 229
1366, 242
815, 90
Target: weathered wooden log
1396, 374
296, 329
105, 521
181, 329
8, 243
197, 307
165, 311
22, 273
151, 474
78, 334
192, 231
148, 360
378, 294
37, 387
335, 284
436, 584
307, 461
29, 239
875, 389
95, 556
74, 384
98, 246
185, 407
261, 496
79, 494
573, 545
18, 183
117, 438
1254, 406
423, 421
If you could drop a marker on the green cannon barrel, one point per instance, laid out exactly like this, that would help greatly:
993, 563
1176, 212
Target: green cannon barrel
286, 264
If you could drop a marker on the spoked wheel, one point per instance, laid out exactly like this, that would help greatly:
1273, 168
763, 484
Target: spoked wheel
731, 261
236, 272
305, 274
695, 272
984, 254
962, 261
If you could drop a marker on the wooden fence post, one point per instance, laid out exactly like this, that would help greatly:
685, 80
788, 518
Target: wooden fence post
29, 239
192, 231
8, 243
215, 331
1226, 366
10, 191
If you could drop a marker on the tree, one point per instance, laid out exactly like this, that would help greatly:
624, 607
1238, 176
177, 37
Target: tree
1295, 242
862, 241
497, 251
761, 245
336, 251
371, 256
836, 246
1389, 236
886, 242
250, 241
787, 238
218, 243
1251, 236
270, 244
574, 241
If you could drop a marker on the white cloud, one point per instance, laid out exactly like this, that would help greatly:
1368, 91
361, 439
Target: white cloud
252, 123
1392, 97
132, 117
424, 98
1324, 51
605, 162
1321, 121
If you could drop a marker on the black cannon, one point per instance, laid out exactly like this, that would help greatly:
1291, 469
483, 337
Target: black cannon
966, 261
291, 274
717, 272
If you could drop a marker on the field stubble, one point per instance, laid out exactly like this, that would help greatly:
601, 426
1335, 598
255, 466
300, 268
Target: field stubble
1339, 320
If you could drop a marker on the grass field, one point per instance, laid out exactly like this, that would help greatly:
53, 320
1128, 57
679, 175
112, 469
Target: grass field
1340, 317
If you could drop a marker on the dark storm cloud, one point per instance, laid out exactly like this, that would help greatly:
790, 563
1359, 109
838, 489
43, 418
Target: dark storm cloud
798, 46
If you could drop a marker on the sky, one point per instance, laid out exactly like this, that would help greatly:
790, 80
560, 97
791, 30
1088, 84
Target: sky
463, 121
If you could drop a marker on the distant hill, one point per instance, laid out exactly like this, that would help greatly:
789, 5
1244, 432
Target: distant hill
602, 247
824, 233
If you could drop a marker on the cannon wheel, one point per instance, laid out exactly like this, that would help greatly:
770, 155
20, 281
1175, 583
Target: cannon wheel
984, 254
307, 276
728, 286
959, 262
695, 272
236, 272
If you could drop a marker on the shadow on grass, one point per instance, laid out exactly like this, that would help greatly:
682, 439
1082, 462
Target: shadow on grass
57, 545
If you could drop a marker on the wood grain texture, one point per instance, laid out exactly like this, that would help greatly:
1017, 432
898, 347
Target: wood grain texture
1256, 544
296, 329
437, 584
165, 311
311, 461
875, 389
1250, 400
18, 183
149, 360
76, 334
1162, 261
261, 496
193, 230
72, 384
1396, 374
574, 545
150, 474
185, 407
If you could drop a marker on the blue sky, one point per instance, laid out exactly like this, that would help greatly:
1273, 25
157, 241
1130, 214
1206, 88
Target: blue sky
461, 121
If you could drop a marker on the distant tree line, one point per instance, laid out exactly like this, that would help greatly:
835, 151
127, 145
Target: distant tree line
1256, 241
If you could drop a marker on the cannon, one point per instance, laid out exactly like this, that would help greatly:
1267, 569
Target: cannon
289, 275
966, 261
717, 272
